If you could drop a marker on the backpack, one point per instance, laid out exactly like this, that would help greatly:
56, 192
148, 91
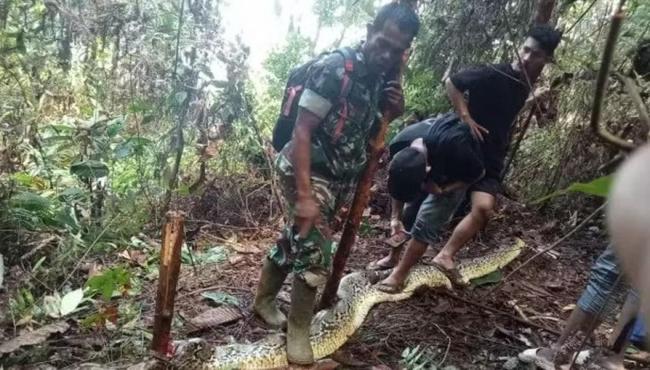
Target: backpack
283, 130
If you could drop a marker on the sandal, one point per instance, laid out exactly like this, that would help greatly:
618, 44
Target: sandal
453, 275
375, 266
390, 289
397, 240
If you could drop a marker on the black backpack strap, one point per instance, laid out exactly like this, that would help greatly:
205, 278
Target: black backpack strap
349, 56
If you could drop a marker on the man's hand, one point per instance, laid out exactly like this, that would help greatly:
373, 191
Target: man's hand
306, 215
392, 100
477, 130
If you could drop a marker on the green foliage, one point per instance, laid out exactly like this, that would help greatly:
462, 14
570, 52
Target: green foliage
424, 93
491, 278
282, 60
109, 282
598, 187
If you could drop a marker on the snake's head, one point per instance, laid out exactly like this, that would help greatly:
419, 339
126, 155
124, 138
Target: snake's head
191, 351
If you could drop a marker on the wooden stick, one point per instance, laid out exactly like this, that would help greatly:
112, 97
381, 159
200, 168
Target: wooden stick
170, 264
520, 138
361, 197
601, 82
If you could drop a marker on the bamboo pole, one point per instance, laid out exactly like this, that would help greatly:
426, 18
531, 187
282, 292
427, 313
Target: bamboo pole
170, 263
359, 204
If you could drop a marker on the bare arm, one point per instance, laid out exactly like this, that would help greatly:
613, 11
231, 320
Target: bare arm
457, 100
460, 105
306, 208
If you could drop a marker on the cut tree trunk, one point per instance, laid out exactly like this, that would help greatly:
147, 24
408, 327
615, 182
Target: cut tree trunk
170, 264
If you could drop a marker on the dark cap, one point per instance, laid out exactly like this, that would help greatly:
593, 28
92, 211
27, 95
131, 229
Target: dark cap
406, 173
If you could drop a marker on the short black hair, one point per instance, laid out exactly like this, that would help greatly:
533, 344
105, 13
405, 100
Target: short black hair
406, 173
401, 14
547, 37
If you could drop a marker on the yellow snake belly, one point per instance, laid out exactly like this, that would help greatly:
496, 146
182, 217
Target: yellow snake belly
331, 328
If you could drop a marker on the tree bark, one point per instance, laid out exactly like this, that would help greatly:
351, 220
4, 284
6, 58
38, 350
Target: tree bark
170, 264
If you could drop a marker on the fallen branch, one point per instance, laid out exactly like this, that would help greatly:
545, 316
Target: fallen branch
553, 246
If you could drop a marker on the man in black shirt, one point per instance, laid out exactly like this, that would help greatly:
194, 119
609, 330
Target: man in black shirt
433, 163
487, 99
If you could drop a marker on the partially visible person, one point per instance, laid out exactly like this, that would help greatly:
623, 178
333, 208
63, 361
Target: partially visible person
318, 167
594, 304
628, 220
488, 99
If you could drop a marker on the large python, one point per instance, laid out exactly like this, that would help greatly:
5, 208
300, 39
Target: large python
331, 328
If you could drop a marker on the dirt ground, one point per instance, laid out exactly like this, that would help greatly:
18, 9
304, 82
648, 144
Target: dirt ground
473, 328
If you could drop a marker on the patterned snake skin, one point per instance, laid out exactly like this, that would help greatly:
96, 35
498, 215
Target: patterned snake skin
331, 328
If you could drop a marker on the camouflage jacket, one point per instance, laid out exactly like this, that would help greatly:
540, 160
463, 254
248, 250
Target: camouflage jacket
339, 153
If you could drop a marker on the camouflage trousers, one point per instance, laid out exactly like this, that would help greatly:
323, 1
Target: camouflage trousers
310, 257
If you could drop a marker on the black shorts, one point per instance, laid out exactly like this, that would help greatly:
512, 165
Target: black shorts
487, 184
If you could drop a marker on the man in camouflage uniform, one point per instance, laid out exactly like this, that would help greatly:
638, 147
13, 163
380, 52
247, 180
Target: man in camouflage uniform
320, 166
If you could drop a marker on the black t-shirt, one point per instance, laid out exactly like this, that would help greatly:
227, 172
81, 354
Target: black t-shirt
452, 152
495, 93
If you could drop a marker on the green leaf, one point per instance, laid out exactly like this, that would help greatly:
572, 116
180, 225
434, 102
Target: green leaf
23, 178
115, 126
491, 278
598, 187
221, 298
71, 301
30, 202
90, 169
109, 281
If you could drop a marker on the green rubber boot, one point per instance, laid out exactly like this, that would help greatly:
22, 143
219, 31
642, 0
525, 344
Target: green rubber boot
299, 350
269, 286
